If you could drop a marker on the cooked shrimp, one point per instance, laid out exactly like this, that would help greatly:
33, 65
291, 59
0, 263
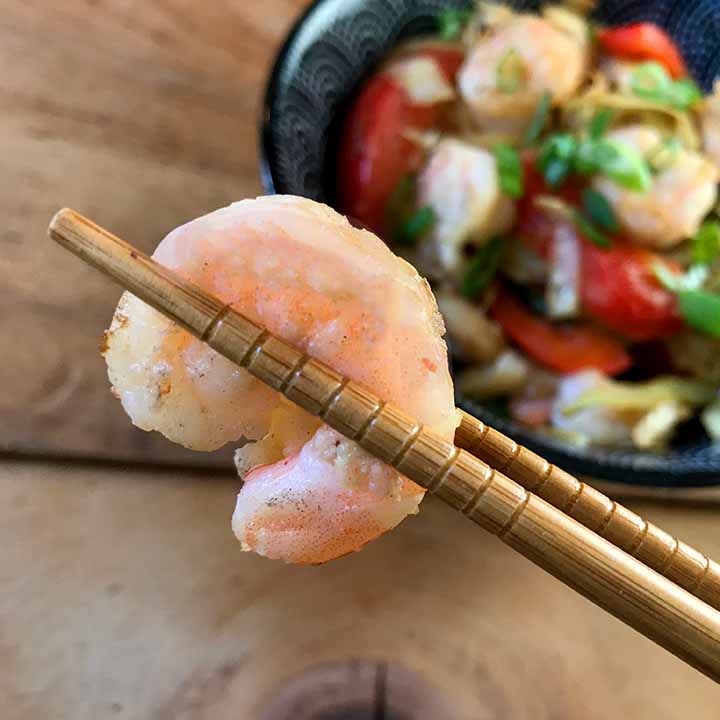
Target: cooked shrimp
306, 274
681, 195
460, 183
540, 57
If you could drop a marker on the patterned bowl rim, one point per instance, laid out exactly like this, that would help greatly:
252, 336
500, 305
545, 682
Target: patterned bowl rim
621, 466
266, 152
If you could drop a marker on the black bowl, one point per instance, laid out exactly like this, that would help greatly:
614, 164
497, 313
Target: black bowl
336, 43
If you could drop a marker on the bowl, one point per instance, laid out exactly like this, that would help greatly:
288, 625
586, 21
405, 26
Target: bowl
335, 44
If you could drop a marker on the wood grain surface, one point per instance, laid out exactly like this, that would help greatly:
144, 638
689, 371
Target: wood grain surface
144, 116
125, 596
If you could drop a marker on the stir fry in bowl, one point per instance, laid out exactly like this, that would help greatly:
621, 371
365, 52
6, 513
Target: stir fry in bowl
557, 183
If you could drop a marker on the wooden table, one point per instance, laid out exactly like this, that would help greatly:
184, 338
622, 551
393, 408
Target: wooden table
123, 593
142, 116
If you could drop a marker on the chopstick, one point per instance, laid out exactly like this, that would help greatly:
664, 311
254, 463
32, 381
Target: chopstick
642, 598
679, 562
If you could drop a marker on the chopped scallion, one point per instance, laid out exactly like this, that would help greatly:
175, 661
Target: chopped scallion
706, 243
509, 170
556, 157
416, 226
539, 120
511, 72
401, 203
452, 21
556, 171
701, 310
595, 236
482, 267
651, 81
600, 123
599, 211
684, 93
618, 161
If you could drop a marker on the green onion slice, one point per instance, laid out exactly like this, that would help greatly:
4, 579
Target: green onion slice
600, 123
651, 81
482, 267
599, 211
556, 171
416, 226
539, 120
556, 158
616, 160
452, 21
401, 203
684, 93
705, 245
701, 310
595, 236
509, 170
511, 72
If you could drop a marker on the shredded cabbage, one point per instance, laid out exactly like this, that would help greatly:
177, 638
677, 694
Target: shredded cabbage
506, 374
710, 418
422, 80
644, 396
562, 292
656, 426
580, 110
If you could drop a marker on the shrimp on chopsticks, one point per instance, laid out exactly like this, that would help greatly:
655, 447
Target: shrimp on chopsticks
338, 293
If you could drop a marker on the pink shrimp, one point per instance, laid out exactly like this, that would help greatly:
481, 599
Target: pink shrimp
549, 54
337, 292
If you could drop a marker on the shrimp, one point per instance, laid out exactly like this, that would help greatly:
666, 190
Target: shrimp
338, 293
460, 183
681, 195
545, 56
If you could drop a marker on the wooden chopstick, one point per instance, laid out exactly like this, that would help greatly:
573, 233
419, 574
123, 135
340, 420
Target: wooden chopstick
676, 560
576, 555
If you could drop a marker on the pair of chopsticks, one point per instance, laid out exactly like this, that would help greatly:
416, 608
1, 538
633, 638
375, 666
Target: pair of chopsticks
653, 582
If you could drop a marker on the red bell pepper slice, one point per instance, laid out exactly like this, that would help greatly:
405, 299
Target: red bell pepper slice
564, 348
374, 154
643, 41
619, 288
